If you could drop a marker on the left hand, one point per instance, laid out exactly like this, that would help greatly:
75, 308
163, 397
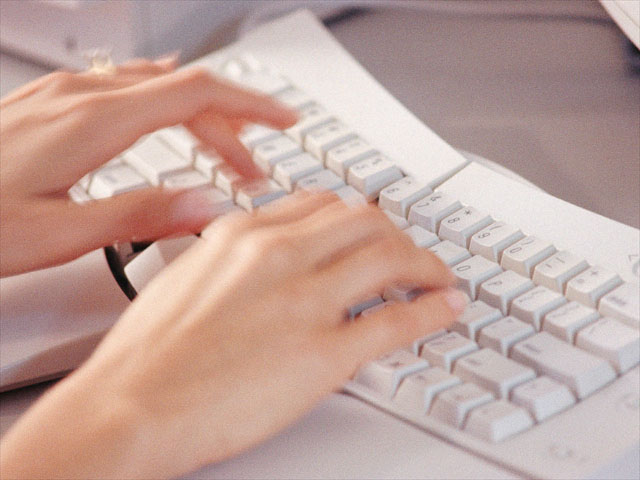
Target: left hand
64, 125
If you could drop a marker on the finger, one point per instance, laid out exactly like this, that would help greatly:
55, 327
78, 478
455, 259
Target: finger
181, 95
141, 215
159, 66
388, 261
215, 132
396, 326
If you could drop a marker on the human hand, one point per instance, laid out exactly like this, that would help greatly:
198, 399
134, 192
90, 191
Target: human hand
63, 125
251, 337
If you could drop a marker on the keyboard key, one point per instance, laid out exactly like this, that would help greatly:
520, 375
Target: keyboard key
154, 160
500, 290
492, 371
565, 321
355, 310
421, 237
371, 175
78, 194
492, 240
590, 285
262, 81
179, 140
401, 292
321, 139
555, 271
385, 374
476, 316
256, 194
532, 306
267, 154
400, 222
188, 179
311, 117
543, 397
228, 179
207, 162
256, 134
503, 334
350, 196
450, 253
376, 308
525, 254
339, 159
612, 340
114, 180
497, 420
623, 303
399, 196
582, 372
429, 211
322, 180
294, 98
472, 272
461, 225
452, 405
417, 344
289, 171
143, 268
444, 350
417, 391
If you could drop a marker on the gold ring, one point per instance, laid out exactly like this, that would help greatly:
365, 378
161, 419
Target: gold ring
100, 62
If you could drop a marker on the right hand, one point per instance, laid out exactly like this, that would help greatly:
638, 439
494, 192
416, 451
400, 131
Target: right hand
236, 339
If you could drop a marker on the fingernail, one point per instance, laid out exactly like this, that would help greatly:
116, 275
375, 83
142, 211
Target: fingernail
198, 206
456, 300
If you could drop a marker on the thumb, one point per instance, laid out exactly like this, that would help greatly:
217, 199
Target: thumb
147, 214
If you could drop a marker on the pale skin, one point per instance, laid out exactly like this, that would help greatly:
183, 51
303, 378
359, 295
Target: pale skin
239, 336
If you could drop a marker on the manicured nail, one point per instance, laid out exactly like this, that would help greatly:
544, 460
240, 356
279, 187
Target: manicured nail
456, 299
198, 206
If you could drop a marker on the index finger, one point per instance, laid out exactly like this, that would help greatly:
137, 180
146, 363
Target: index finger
179, 96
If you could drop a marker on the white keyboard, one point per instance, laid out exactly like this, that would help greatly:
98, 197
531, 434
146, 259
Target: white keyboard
540, 374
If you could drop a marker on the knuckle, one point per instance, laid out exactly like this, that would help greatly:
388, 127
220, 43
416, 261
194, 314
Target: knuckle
60, 80
196, 76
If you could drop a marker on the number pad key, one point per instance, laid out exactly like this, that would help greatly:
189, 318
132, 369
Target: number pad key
444, 350
503, 334
492, 240
417, 391
452, 405
472, 272
535, 304
372, 175
555, 271
565, 321
399, 196
459, 226
500, 290
622, 304
429, 211
614, 341
524, 255
543, 397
